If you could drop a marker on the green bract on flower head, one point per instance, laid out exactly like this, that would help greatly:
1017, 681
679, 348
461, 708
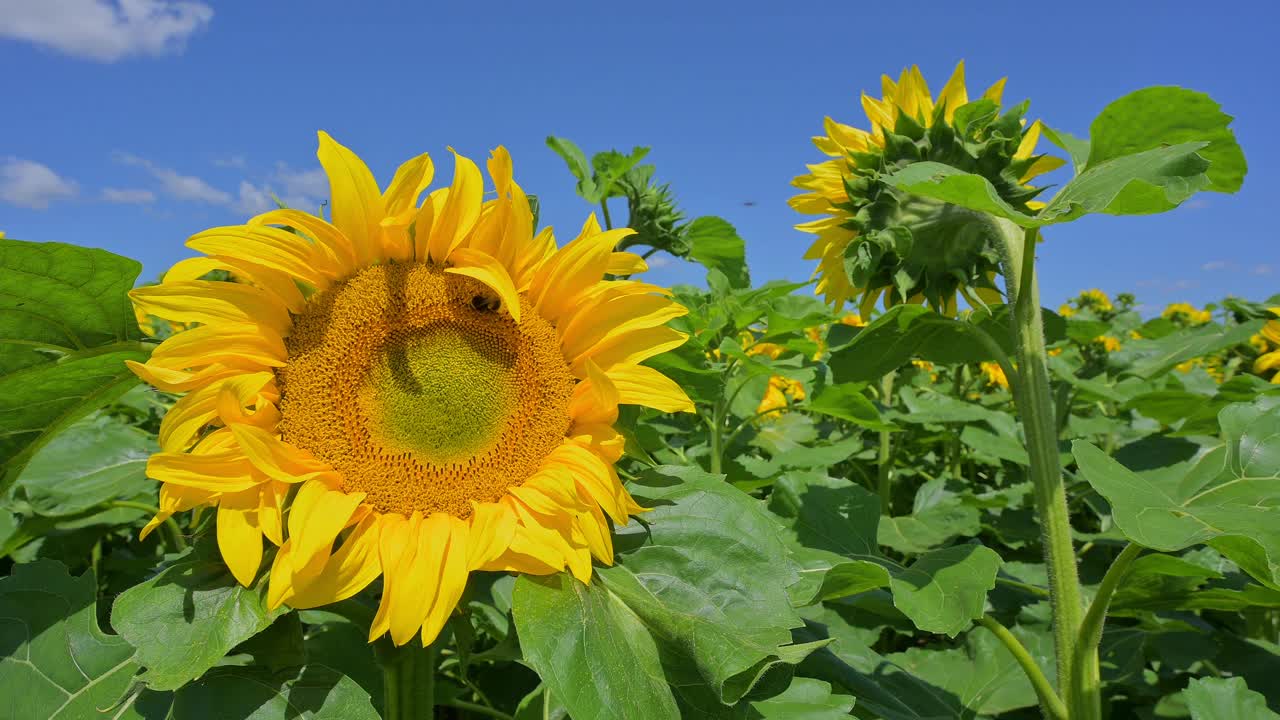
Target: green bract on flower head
877, 240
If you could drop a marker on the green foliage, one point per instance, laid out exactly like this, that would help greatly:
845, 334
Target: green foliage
66, 328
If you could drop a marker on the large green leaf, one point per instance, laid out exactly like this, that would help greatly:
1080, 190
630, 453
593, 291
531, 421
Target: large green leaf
1149, 358
590, 649
94, 461
1148, 182
314, 692
66, 328
836, 525
714, 593
1228, 498
1155, 117
894, 338
805, 699
186, 618
55, 662
1225, 699
848, 401
715, 244
968, 190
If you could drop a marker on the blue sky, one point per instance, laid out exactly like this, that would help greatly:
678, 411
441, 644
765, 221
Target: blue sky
132, 128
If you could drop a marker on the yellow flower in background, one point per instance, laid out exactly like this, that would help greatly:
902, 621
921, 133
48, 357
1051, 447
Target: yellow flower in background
926, 366
1055, 352
779, 395
874, 241
1108, 343
1135, 335
995, 375
1186, 314
408, 392
852, 320
1095, 299
1065, 310
1269, 361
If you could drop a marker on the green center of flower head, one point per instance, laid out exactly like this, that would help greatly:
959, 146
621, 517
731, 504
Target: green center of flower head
441, 393
920, 246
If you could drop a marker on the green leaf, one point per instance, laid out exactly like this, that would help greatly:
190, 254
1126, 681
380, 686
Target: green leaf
837, 524
590, 649
1150, 358
314, 692
894, 338
847, 401
1155, 117
183, 620
576, 160
341, 644
713, 593
981, 674
55, 661
805, 699
95, 460
1140, 184
715, 244
66, 328
1225, 699
929, 528
1077, 148
948, 184
1227, 498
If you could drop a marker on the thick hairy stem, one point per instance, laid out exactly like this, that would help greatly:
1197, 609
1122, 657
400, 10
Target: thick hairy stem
1034, 400
1086, 679
408, 681
884, 478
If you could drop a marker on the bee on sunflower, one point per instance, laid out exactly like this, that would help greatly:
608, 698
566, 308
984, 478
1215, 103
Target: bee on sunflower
875, 242
408, 391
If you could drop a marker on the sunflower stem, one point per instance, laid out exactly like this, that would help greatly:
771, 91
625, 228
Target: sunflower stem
1034, 400
408, 681
604, 208
1049, 700
1086, 679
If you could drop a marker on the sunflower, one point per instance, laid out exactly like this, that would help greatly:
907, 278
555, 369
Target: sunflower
1269, 345
876, 241
780, 394
1186, 315
408, 392
1108, 343
995, 375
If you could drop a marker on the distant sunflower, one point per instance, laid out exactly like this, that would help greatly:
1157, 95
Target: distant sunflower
1268, 343
429, 390
1186, 314
875, 241
995, 375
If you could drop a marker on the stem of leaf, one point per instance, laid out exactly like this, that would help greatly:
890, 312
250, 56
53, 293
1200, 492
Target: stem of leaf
408, 681
604, 208
884, 458
1049, 700
1034, 400
1086, 681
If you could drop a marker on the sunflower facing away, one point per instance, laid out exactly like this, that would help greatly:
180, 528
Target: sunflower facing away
875, 241
408, 392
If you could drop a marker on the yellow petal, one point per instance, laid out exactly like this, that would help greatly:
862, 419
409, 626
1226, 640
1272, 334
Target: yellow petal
248, 345
573, 269
615, 318
595, 399
595, 476
640, 385
239, 539
277, 283
460, 212
218, 472
356, 204
281, 461
270, 247
347, 571
631, 348
995, 93
492, 527
316, 517
421, 579
397, 547
210, 302
452, 581
328, 238
412, 177
954, 94
626, 263
475, 264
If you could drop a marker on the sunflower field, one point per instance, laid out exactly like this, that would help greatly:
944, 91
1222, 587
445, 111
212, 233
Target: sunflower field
411, 456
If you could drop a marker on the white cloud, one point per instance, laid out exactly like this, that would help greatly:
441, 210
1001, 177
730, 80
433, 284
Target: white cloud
183, 187
104, 30
659, 261
128, 196
1262, 269
302, 189
31, 185
1214, 265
